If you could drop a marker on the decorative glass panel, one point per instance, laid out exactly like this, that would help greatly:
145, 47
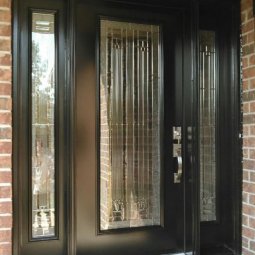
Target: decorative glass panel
207, 126
130, 94
42, 114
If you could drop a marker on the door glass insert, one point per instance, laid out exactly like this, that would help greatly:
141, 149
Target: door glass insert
130, 94
207, 126
42, 118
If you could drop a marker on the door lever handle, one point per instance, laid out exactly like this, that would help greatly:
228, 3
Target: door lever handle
177, 154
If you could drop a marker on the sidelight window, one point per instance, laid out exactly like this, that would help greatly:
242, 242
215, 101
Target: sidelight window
207, 126
43, 124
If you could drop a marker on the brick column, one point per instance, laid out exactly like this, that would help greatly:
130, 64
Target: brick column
5, 128
248, 127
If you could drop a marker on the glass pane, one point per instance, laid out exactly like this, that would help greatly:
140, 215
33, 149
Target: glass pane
207, 126
43, 140
129, 125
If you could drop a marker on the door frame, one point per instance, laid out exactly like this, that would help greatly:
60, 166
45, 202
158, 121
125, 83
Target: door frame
192, 220
230, 140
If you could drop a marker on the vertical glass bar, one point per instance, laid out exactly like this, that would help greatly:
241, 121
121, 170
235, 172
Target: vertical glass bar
207, 126
43, 124
130, 126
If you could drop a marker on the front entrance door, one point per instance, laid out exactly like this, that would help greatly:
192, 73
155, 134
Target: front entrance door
129, 180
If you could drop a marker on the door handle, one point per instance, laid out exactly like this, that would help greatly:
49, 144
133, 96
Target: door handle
177, 154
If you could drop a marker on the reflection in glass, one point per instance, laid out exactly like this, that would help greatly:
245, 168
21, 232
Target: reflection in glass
207, 126
129, 125
42, 113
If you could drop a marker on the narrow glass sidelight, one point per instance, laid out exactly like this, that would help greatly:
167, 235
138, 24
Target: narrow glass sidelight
130, 124
208, 111
43, 124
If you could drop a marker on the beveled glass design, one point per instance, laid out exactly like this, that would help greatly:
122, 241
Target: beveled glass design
207, 126
43, 124
130, 93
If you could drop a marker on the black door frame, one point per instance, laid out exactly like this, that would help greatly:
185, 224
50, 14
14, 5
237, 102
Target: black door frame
68, 27
226, 230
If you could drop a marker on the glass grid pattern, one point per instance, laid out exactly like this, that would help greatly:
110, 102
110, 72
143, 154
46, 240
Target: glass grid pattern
207, 126
130, 93
43, 124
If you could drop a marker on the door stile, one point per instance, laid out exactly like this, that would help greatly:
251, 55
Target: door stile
70, 109
193, 151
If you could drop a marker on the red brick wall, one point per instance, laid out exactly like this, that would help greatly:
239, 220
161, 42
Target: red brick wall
5, 128
248, 127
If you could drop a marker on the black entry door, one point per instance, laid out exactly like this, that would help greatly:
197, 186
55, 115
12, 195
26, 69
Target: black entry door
129, 190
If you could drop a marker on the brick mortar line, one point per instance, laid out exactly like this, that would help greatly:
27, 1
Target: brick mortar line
250, 20
5, 184
248, 44
5, 170
5, 111
7, 23
247, 249
248, 56
4, 200
5, 82
250, 228
247, 33
249, 216
2, 8
247, 79
244, 181
5, 96
248, 67
7, 67
248, 114
5, 51
5, 37
2, 81
5, 229
246, 22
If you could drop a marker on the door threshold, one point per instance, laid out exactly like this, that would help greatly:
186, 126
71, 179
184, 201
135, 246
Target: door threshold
186, 253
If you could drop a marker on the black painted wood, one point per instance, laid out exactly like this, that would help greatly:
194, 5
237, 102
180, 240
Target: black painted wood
150, 240
226, 231
23, 243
